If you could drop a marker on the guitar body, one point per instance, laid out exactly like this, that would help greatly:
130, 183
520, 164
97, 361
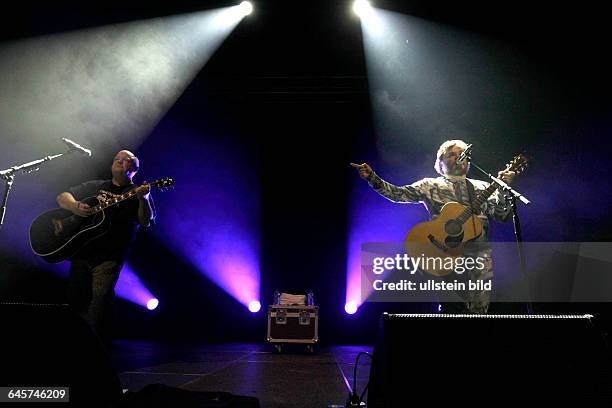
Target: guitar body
58, 234
442, 237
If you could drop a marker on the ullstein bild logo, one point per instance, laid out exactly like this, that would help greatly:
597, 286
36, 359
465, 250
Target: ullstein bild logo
432, 285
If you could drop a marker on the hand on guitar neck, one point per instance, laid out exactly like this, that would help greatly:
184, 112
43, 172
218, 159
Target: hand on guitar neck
142, 191
506, 176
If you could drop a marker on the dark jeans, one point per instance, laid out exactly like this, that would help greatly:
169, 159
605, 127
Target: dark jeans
91, 293
470, 301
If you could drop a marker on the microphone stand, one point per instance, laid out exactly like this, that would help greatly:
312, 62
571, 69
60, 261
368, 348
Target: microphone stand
511, 195
8, 176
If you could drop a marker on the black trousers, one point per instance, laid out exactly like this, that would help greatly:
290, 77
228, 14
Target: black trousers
91, 291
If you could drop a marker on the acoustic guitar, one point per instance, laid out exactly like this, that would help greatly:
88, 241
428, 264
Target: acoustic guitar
58, 234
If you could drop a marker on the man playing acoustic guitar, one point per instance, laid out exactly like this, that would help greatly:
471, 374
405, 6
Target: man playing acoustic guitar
95, 268
452, 186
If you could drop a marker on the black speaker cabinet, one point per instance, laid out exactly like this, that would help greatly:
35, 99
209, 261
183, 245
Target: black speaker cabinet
49, 346
489, 360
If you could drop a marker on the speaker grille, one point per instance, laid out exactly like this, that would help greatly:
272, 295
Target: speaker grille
481, 316
473, 359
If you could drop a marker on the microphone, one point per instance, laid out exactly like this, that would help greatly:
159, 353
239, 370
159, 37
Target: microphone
465, 155
74, 146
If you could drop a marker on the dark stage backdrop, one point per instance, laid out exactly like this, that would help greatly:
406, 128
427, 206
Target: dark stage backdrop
269, 126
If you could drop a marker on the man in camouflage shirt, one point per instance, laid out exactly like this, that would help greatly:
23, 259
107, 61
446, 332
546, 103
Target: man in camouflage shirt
451, 186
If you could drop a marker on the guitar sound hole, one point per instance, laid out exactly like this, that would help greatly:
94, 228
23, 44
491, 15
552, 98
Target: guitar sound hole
453, 228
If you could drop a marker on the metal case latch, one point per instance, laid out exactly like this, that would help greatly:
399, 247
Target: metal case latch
304, 317
281, 316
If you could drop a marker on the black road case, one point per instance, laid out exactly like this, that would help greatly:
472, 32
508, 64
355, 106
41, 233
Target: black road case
293, 323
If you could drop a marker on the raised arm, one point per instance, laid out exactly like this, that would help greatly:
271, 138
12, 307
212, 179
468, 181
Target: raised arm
398, 194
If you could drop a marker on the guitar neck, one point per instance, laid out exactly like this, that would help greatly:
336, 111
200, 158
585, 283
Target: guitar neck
160, 184
478, 201
517, 165
113, 201
482, 197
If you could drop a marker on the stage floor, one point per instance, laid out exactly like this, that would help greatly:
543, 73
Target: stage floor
293, 378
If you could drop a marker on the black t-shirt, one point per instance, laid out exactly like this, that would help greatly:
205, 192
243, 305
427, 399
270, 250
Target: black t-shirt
113, 245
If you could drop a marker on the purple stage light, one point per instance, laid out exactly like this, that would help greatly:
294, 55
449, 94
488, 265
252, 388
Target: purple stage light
350, 307
373, 219
152, 304
254, 306
130, 287
219, 235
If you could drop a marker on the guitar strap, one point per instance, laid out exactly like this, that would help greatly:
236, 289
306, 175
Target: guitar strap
471, 193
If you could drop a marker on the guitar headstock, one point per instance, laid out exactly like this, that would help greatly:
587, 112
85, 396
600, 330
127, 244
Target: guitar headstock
518, 164
163, 184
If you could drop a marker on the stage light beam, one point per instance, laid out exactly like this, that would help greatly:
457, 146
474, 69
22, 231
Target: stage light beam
102, 86
129, 287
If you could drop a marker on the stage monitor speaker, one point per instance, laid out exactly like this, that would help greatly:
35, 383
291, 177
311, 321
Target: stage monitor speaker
164, 396
489, 360
49, 346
